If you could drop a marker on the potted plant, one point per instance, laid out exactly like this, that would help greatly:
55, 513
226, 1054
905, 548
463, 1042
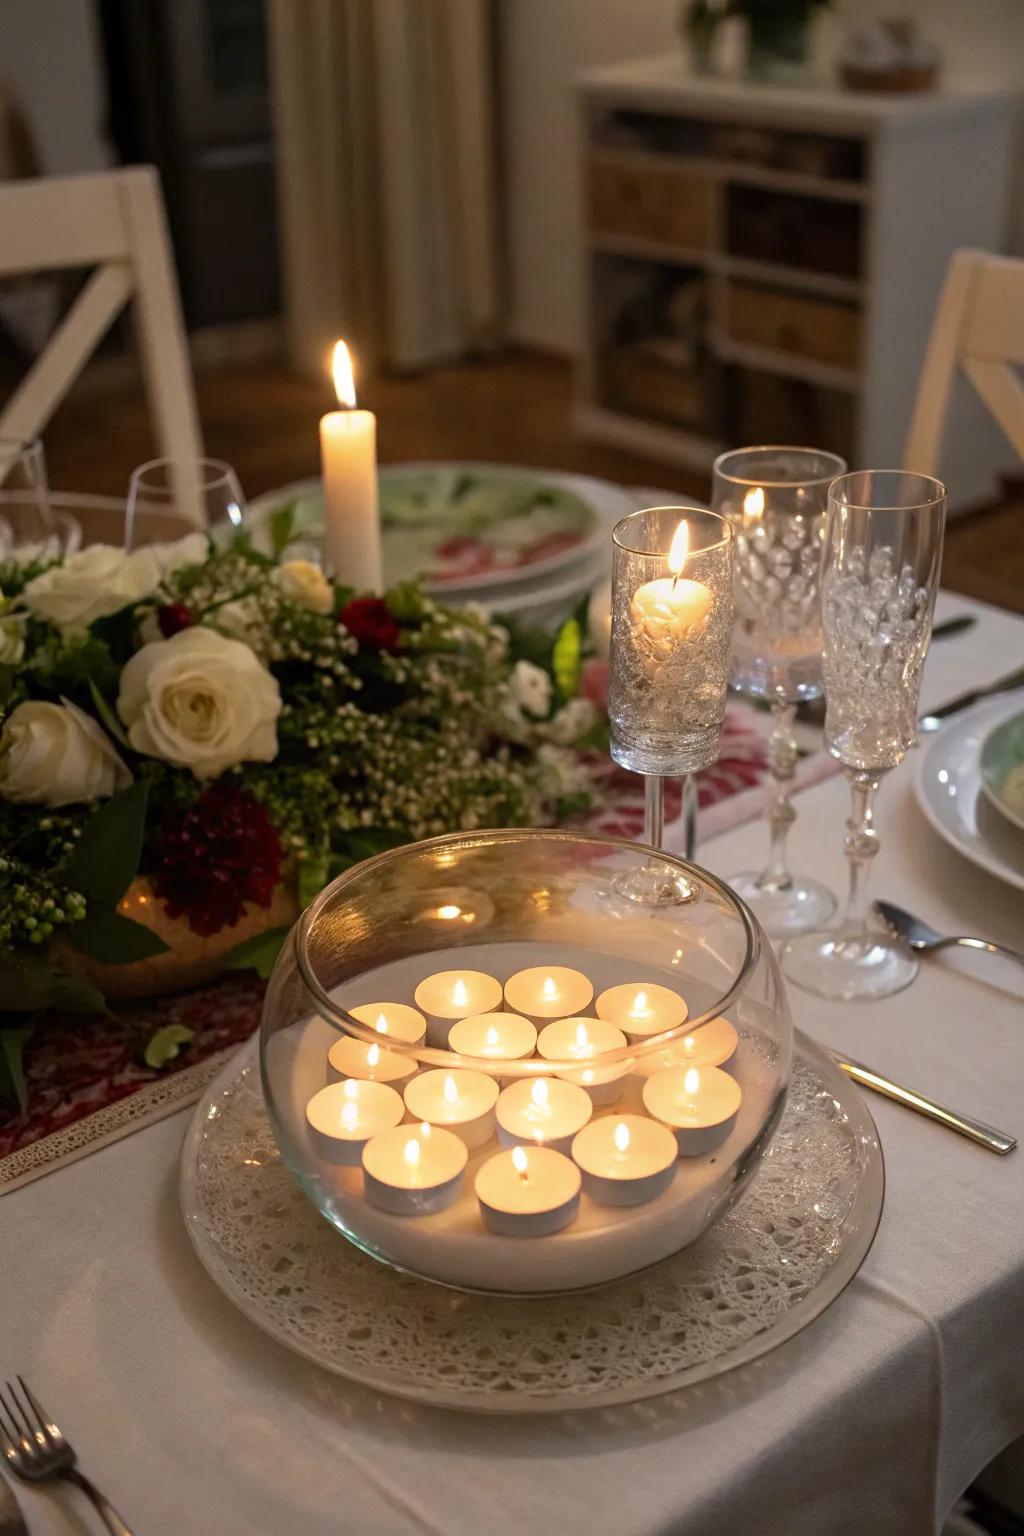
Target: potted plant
778, 33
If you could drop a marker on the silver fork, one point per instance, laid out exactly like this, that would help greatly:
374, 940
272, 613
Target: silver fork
36, 1451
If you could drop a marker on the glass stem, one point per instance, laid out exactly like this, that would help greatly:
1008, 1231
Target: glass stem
860, 847
782, 759
691, 805
654, 810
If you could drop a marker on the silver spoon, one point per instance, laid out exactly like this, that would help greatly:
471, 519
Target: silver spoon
919, 936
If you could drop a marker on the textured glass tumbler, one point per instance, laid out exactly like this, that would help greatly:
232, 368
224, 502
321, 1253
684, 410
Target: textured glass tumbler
29, 528
672, 611
776, 499
883, 552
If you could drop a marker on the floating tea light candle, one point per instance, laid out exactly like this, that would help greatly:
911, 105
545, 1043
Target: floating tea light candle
528, 1193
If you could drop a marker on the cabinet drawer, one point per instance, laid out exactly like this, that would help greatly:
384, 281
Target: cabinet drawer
820, 329
636, 197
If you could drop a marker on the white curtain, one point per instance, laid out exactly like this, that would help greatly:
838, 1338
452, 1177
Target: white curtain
385, 145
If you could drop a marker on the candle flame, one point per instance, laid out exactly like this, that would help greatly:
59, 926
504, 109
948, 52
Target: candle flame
425, 1128
350, 1089
753, 505
381, 1026
349, 1116
582, 1037
639, 1008
373, 1056
491, 1037
449, 912
344, 381
588, 1075
691, 1082
621, 1137
519, 1162
549, 991
460, 997
451, 1091
539, 1093
689, 1045
411, 1152
680, 548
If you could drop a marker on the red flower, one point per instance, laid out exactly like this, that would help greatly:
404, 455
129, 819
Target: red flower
219, 855
173, 617
370, 621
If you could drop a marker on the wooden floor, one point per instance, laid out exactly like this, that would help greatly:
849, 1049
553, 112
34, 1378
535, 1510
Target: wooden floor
263, 420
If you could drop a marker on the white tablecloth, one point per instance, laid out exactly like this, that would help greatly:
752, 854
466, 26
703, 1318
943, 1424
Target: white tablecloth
872, 1420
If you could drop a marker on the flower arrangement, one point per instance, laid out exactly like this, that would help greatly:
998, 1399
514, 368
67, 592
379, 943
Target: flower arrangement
191, 728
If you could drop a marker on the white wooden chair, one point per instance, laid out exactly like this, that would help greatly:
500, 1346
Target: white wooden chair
979, 330
114, 221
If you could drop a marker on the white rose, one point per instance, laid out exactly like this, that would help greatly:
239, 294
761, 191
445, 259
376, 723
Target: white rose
98, 580
531, 689
200, 701
241, 620
175, 554
56, 754
572, 721
304, 583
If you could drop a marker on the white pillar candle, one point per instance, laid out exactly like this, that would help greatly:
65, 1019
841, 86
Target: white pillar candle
699, 1104
625, 1159
343, 1116
542, 1111
461, 1101
713, 1045
546, 992
372, 1063
413, 1170
641, 1008
528, 1193
584, 1040
494, 1037
348, 459
448, 996
671, 610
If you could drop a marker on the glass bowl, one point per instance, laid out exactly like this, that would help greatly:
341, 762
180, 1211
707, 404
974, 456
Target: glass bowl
498, 903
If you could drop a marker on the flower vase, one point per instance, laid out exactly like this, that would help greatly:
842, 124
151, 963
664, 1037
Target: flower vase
778, 46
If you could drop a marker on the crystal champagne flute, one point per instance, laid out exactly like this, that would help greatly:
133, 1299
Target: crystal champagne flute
776, 499
880, 573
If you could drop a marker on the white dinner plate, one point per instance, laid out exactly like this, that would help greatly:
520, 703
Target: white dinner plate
950, 792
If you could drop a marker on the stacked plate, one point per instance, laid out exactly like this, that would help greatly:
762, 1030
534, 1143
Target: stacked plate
524, 542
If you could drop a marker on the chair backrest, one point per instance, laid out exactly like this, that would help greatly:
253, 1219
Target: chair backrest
978, 329
114, 222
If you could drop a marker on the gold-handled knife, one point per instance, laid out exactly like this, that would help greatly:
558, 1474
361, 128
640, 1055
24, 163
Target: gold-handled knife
975, 1130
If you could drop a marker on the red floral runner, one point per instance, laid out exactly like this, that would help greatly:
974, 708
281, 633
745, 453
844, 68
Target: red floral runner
80, 1067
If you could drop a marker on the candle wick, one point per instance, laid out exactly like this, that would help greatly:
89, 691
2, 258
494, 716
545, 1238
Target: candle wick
675, 579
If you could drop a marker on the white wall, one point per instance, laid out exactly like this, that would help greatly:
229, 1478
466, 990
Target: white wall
50, 63
546, 42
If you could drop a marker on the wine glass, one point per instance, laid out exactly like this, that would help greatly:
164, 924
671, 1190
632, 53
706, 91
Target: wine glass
30, 528
168, 498
883, 550
669, 659
775, 499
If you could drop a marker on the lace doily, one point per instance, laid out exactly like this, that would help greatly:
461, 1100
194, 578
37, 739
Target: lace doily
772, 1264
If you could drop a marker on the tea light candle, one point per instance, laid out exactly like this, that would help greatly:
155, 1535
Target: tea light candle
713, 1045
413, 1171
545, 1111
625, 1159
641, 1008
463, 1102
584, 1040
496, 1036
372, 1063
450, 995
699, 1104
343, 1116
548, 992
528, 1193
671, 610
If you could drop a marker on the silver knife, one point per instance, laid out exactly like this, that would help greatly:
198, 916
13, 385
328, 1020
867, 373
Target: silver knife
12, 1522
935, 717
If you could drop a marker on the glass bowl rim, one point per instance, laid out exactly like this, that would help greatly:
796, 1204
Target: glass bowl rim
778, 485
436, 1056
889, 474
657, 554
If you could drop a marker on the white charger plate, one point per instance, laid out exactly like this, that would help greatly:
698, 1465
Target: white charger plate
951, 794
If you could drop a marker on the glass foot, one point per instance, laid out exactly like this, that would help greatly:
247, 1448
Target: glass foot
802, 905
654, 886
849, 968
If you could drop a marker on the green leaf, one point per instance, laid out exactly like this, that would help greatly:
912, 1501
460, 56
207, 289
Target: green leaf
312, 876
567, 659
257, 954
596, 739
165, 1044
105, 935
105, 860
12, 1067
281, 526
107, 717
29, 984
